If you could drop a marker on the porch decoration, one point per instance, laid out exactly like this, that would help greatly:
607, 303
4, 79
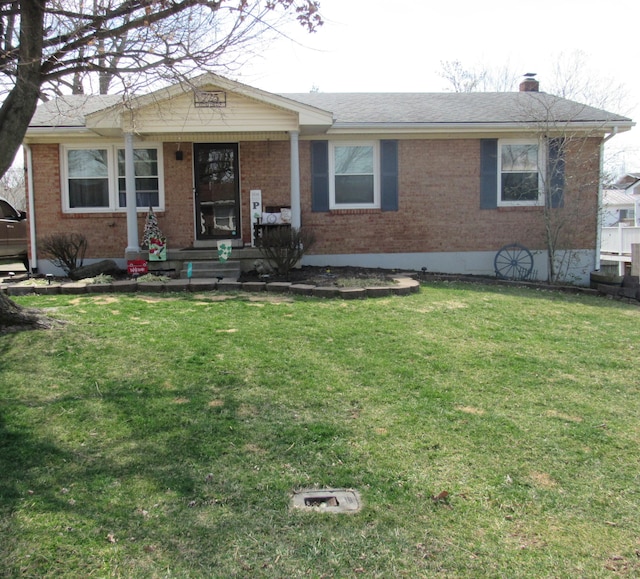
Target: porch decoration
224, 250
153, 238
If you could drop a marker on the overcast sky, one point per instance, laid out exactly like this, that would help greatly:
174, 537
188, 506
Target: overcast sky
398, 46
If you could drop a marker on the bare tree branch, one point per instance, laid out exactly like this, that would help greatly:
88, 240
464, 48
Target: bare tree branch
53, 46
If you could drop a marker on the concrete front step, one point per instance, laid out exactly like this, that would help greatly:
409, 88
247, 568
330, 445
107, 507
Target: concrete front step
211, 269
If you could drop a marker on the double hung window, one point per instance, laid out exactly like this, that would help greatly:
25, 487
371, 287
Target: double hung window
519, 170
94, 178
354, 170
88, 178
147, 178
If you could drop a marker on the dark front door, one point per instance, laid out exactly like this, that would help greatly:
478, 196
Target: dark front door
217, 191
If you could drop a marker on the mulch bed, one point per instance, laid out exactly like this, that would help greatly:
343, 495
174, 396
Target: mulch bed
322, 276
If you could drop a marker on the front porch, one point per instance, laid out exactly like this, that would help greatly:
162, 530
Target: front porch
204, 262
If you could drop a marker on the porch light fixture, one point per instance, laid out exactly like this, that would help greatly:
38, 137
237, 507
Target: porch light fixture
179, 155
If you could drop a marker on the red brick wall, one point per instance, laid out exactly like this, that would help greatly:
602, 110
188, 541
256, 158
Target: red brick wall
106, 233
439, 201
176, 222
264, 166
439, 205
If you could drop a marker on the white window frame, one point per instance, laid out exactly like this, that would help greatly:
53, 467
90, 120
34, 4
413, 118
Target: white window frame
376, 175
542, 154
112, 176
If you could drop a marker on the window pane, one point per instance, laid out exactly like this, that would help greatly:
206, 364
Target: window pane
6, 211
520, 157
145, 162
88, 178
353, 160
87, 163
147, 199
146, 184
354, 189
520, 186
144, 199
88, 193
146, 193
353, 174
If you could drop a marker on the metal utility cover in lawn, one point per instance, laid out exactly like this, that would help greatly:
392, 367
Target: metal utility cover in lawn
327, 500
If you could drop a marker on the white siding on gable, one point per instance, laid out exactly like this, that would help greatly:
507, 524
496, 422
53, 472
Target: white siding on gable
181, 115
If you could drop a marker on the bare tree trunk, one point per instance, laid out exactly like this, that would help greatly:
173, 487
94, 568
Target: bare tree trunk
19, 106
13, 316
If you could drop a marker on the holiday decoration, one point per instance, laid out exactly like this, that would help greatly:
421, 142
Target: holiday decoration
154, 239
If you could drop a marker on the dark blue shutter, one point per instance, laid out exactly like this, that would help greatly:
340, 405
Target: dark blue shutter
389, 175
488, 173
556, 173
319, 176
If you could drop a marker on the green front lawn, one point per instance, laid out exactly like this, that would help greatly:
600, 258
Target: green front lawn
163, 436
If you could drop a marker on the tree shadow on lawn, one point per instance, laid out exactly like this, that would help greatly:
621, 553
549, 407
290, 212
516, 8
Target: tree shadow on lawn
173, 461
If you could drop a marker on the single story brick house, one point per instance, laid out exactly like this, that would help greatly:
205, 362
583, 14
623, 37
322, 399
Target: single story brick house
391, 180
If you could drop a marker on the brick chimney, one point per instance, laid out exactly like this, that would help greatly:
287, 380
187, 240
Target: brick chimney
529, 84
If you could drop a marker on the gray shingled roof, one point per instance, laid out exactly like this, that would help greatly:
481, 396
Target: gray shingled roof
451, 108
70, 110
382, 108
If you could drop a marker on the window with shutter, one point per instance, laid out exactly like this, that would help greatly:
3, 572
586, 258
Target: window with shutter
354, 175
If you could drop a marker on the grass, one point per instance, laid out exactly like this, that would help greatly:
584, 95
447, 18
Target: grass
162, 436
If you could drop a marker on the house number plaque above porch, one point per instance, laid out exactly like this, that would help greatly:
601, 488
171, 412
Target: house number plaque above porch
210, 98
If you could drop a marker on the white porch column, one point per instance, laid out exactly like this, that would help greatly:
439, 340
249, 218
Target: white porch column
295, 180
130, 188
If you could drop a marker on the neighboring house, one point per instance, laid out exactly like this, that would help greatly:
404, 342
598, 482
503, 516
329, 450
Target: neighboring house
620, 222
618, 208
630, 184
394, 180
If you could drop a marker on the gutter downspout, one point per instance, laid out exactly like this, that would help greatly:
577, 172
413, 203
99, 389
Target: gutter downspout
33, 259
613, 133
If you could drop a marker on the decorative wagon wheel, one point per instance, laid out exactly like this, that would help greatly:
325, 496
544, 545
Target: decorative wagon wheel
513, 262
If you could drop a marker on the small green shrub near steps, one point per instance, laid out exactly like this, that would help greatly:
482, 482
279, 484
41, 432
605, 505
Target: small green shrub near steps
34, 281
100, 279
150, 277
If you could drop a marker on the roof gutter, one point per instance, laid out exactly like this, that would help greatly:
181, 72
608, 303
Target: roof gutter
413, 127
56, 134
614, 132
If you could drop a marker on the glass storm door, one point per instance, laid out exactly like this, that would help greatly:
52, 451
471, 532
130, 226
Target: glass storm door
217, 191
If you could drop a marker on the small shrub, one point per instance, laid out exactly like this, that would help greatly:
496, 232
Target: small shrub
66, 250
152, 277
360, 282
101, 279
283, 247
